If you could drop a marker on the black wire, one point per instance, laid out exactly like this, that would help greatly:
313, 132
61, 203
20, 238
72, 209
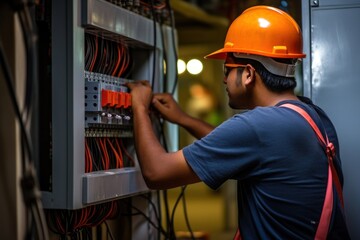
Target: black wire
102, 64
89, 51
152, 204
164, 85
171, 229
172, 22
187, 217
150, 220
30, 39
106, 57
157, 215
101, 155
154, 47
109, 230
31, 192
88, 233
99, 55
167, 214
159, 207
9, 82
164, 192
172, 219
94, 153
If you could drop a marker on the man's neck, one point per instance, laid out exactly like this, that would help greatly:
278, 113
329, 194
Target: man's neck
272, 98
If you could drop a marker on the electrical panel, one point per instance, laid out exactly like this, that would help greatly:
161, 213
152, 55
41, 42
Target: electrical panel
331, 39
92, 48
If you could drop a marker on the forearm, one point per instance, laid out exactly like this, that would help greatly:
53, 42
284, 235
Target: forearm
196, 127
160, 169
170, 111
148, 148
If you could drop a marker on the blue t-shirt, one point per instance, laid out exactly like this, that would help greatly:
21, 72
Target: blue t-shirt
280, 166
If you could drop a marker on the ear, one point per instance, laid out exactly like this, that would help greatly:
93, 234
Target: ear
250, 74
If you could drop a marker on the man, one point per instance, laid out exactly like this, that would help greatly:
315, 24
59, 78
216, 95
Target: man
281, 167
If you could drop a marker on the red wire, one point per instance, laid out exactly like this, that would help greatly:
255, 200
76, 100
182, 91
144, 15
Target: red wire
88, 160
102, 154
115, 153
108, 213
126, 152
121, 56
59, 225
117, 62
120, 153
106, 155
114, 210
125, 60
162, 5
84, 217
95, 54
91, 212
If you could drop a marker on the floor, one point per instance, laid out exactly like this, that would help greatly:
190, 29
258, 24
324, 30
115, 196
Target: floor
211, 213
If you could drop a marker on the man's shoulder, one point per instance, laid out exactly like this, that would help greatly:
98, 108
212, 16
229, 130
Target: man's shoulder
263, 114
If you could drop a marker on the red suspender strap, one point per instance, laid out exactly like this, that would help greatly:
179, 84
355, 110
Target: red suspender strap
324, 222
237, 235
330, 149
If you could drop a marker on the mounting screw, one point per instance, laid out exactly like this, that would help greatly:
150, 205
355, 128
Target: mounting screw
314, 3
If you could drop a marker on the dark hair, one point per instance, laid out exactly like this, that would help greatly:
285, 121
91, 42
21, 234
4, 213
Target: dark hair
273, 82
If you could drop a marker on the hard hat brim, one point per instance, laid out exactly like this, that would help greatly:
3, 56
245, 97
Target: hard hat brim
221, 54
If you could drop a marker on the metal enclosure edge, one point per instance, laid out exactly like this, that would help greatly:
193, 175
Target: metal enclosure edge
331, 81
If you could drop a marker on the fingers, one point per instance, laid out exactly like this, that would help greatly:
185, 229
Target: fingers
162, 97
158, 104
132, 85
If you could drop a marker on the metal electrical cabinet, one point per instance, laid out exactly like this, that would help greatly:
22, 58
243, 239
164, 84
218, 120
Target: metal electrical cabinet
331, 80
64, 182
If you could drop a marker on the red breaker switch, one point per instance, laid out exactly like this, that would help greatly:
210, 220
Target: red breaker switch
118, 100
106, 98
127, 100
114, 99
121, 100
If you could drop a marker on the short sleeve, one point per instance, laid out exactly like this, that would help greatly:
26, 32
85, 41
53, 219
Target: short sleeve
228, 152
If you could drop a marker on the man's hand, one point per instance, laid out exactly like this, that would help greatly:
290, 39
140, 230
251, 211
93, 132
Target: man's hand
160, 169
168, 108
141, 94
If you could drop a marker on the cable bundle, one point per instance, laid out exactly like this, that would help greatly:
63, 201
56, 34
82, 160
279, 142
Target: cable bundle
106, 153
76, 223
106, 57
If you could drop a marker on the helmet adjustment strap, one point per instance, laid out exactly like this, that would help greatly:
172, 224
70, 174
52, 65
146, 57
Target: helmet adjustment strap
277, 68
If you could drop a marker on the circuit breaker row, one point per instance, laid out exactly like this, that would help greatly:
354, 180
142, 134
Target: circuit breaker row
107, 105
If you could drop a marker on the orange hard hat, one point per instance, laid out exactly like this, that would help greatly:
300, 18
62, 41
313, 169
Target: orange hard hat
264, 31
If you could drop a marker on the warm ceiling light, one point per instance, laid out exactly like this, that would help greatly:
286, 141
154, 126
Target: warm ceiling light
194, 66
181, 66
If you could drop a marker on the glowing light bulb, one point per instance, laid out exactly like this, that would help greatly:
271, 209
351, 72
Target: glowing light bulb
181, 66
194, 66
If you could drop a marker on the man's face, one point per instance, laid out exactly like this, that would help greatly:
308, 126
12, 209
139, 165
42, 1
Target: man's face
234, 75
